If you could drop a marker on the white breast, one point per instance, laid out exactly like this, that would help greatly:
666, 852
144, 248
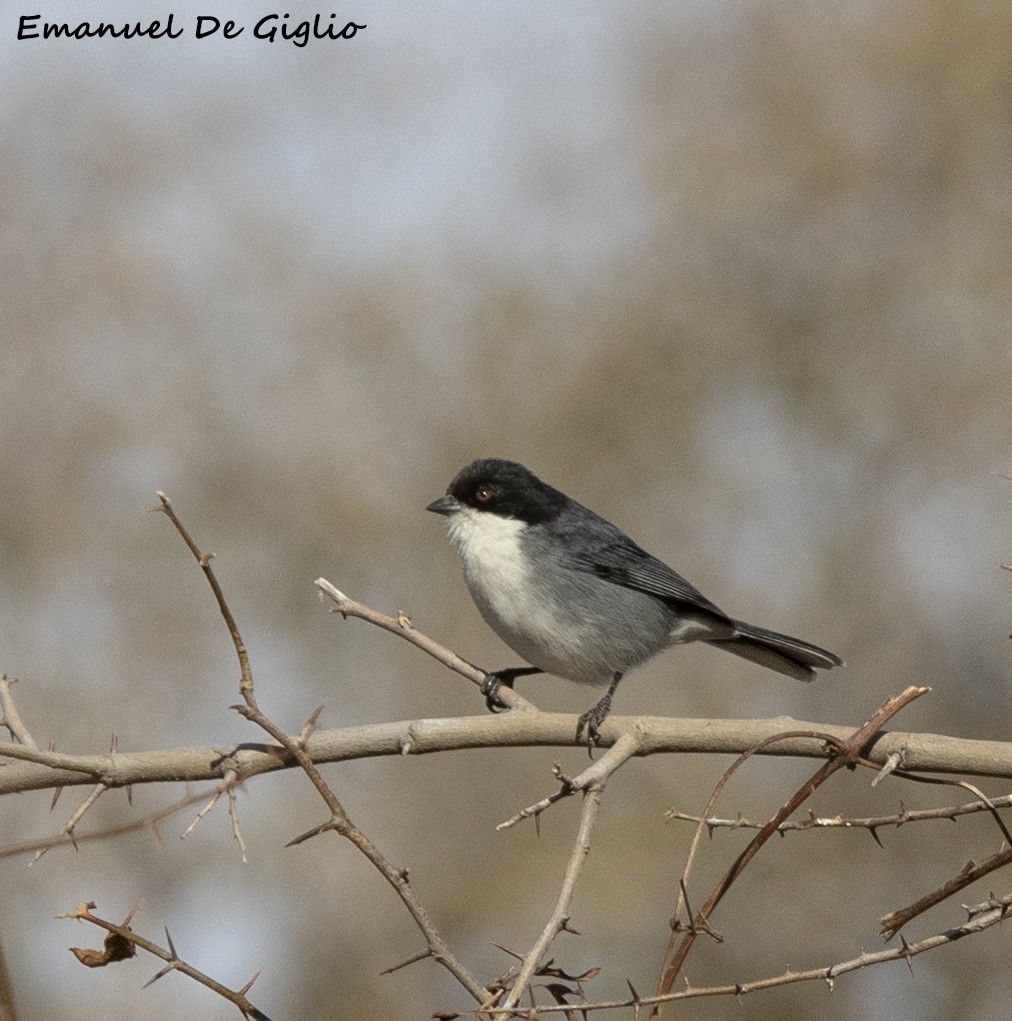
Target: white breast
489, 546
504, 586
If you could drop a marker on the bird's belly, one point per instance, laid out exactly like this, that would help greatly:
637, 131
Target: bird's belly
588, 639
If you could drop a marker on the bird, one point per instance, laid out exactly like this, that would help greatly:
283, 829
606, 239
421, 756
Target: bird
574, 596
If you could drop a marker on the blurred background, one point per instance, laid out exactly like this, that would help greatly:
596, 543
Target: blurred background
735, 275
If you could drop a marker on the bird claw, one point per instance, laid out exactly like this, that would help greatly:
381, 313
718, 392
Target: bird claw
596, 715
498, 679
490, 689
591, 720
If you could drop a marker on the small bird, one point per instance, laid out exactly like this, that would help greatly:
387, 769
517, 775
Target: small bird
575, 596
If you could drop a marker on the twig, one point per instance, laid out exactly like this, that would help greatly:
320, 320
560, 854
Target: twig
852, 747
683, 900
822, 822
339, 820
981, 917
126, 939
149, 822
233, 814
226, 787
9, 716
560, 913
68, 829
401, 625
8, 1011
970, 873
624, 748
204, 559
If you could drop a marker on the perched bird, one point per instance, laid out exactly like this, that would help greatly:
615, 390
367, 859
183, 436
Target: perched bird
575, 596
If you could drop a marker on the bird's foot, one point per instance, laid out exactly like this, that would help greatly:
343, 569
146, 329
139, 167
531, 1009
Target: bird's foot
596, 715
502, 679
591, 720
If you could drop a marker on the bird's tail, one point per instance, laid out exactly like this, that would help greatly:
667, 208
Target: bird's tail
786, 655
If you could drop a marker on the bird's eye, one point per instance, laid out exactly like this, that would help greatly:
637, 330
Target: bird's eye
483, 494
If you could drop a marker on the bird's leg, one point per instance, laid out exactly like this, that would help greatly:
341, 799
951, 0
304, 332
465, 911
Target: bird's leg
596, 715
503, 678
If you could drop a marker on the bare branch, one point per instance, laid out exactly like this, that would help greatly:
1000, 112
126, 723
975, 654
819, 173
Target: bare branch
853, 747
149, 822
932, 753
68, 829
981, 917
401, 625
339, 820
125, 939
821, 822
204, 559
970, 873
597, 773
560, 913
9, 716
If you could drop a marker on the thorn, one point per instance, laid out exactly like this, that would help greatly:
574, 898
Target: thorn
506, 950
172, 949
873, 830
891, 763
414, 959
565, 781
314, 832
171, 966
906, 953
308, 727
249, 985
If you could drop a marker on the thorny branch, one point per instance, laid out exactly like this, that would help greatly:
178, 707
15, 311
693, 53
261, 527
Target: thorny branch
9, 717
149, 822
39, 769
970, 873
979, 917
119, 945
627, 736
870, 823
339, 820
560, 914
402, 627
850, 749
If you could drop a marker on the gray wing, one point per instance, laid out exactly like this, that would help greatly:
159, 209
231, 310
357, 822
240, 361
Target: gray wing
613, 556
619, 560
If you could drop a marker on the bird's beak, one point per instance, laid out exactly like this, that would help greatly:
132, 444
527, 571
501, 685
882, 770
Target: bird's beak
444, 505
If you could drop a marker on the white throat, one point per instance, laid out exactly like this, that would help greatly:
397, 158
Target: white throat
489, 546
